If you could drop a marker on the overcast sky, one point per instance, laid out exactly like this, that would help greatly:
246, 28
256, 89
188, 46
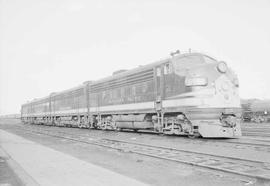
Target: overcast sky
49, 46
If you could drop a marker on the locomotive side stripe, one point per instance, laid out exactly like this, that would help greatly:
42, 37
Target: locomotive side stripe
81, 110
133, 106
214, 102
70, 111
144, 105
35, 114
182, 102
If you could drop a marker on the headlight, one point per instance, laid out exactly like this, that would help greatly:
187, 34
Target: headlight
222, 67
196, 81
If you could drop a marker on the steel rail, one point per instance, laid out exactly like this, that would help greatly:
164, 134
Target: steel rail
202, 140
256, 146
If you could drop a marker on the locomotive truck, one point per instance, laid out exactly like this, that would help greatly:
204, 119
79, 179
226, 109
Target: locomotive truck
189, 94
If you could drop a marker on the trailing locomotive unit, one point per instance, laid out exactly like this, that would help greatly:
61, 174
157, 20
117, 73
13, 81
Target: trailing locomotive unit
187, 94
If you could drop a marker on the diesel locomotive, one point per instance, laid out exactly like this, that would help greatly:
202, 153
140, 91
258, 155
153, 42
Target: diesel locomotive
189, 94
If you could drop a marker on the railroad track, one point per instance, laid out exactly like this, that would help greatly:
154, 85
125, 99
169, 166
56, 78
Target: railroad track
261, 147
256, 129
243, 167
232, 143
255, 133
224, 143
217, 142
256, 144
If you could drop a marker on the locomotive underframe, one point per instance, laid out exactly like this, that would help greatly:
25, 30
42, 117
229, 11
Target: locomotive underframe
192, 122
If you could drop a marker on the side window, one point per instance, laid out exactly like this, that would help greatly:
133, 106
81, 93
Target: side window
103, 95
122, 92
133, 90
167, 68
144, 87
158, 71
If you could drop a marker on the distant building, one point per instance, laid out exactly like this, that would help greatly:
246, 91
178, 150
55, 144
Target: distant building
255, 110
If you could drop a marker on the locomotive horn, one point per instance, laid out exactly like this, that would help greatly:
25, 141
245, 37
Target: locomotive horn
175, 53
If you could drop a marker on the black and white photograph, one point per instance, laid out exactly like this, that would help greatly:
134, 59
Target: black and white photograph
134, 93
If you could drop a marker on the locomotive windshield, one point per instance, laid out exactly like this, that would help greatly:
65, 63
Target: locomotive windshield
186, 62
183, 63
208, 59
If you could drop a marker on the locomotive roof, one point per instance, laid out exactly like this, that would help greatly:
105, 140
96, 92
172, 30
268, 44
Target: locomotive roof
143, 67
53, 94
122, 74
36, 100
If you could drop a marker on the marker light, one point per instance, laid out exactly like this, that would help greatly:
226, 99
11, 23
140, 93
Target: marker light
236, 82
222, 67
196, 81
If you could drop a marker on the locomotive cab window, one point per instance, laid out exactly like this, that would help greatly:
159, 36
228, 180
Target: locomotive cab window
208, 59
167, 68
187, 62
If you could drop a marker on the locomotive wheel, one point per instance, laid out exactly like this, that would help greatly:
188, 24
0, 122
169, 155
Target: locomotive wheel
191, 136
118, 129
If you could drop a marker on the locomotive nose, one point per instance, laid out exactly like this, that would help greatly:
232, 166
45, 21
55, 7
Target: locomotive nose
217, 82
231, 80
226, 86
